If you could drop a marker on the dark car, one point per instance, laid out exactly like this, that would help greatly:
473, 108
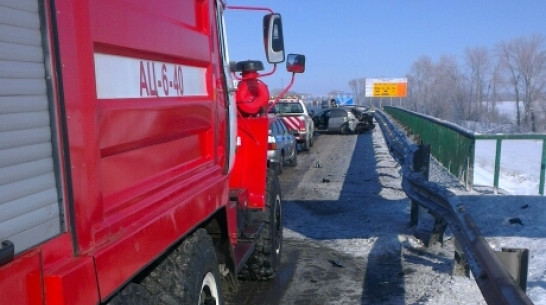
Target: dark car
344, 120
281, 145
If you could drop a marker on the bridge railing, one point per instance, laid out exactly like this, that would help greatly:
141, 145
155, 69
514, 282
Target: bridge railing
459, 150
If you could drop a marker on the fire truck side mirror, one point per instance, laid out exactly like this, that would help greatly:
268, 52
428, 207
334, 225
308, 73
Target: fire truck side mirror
273, 38
295, 63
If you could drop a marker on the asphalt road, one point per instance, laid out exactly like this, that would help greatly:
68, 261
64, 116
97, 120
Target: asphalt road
346, 234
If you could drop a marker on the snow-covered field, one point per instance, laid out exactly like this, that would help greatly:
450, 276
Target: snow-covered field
519, 167
520, 160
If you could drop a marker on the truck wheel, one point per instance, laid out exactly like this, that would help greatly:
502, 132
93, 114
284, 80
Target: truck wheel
132, 294
307, 144
188, 275
264, 262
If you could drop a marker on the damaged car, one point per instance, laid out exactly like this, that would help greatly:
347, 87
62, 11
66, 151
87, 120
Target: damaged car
344, 120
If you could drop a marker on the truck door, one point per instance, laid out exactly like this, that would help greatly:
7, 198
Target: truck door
31, 209
30, 204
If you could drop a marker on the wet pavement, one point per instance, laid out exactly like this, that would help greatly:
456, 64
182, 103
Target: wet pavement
327, 220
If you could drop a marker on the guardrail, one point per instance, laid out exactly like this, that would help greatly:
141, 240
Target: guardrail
495, 282
455, 147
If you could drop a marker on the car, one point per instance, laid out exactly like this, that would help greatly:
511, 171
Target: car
344, 120
297, 118
281, 145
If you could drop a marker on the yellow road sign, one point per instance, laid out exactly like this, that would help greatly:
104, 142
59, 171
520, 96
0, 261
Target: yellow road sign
390, 89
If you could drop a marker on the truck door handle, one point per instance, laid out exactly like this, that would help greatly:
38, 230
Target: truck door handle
6, 252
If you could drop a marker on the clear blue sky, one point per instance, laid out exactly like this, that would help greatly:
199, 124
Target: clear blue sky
349, 39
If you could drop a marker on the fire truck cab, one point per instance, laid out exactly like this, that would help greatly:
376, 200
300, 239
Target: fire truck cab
132, 170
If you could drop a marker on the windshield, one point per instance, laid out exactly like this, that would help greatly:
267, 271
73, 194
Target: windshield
287, 108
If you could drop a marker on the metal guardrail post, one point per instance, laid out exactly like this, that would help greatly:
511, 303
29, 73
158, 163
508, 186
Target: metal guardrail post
460, 262
469, 177
497, 165
421, 163
516, 262
542, 169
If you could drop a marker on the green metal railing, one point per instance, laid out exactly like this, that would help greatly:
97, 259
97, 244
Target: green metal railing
454, 146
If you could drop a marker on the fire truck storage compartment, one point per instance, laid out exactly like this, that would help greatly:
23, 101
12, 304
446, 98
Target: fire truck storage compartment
30, 209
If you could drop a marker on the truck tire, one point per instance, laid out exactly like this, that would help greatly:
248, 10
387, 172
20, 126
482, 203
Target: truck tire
188, 275
264, 262
307, 144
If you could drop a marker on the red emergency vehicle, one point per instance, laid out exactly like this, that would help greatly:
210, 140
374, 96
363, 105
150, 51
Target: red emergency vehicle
132, 171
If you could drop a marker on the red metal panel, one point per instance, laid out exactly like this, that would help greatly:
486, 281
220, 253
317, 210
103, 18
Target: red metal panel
187, 205
78, 92
138, 143
121, 145
251, 159
56, 251
138, 124
145, 170
73, 283
165, 28
21, 280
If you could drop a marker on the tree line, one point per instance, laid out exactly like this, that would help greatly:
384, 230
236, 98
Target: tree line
467, 93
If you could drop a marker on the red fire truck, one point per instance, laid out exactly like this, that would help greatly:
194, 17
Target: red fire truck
132, 168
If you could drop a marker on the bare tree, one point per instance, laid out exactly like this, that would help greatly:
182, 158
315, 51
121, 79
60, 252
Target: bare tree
450, 89
358, 86
478, 62
492, 96
420, 80
362, 82
508, 62
442, 91
531, 61
437, 88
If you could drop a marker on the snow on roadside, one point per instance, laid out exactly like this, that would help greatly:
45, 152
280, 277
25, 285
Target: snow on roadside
520, 165
518, 222
508, 221
382, 235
